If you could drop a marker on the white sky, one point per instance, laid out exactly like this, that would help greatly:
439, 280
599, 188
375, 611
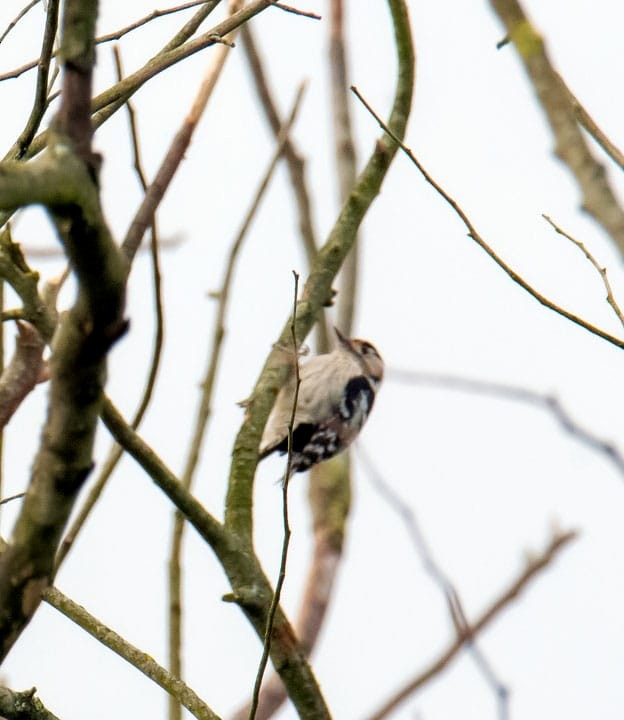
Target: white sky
486, 477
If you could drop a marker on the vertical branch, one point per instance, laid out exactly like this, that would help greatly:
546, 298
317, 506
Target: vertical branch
116, 450
345, 154
41, 91
294, 161
64, 181
266, 648
318, 288
175, 573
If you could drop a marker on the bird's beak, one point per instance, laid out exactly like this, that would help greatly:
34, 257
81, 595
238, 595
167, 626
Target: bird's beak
341, 338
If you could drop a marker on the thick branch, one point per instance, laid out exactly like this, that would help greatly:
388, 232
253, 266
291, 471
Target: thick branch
533, 567
63, 181
317, 292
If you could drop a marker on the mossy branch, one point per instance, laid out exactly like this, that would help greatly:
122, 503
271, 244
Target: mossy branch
64, 182
318, 288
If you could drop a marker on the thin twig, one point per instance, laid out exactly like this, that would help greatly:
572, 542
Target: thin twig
472, 233
296, 11
587, 122
571, 147
558, 541
208, 384
287, 532
138, 659
17, 18
6, 500
179, 145
602, 271
547, 402
115, 35
345, 156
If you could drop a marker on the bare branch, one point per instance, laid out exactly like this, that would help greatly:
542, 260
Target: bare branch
599, 199
138, 659
203, 414
268, 633
95, 322
601, 270
294, 161
344, 150
18, 17
472, 233
179, 145
22, 374
116, 451
442, 580
295, 11
533, 567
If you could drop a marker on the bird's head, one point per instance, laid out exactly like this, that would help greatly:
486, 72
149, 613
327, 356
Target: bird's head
366, 354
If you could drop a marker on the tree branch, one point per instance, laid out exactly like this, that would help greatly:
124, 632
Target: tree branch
140, 660
533, 567
23, 705
78, 362
599, 200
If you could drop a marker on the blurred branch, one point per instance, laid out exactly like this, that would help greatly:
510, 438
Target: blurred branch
24, 11
511, 392
602, 271
441, 579
298, 678
294, 161
22, 374
155, 14
330, 499
270, 622
180, 142
203, 414
344, 149
534, 565
472, 233
317, 290
138, 659
296, 11
23, 705
599, 200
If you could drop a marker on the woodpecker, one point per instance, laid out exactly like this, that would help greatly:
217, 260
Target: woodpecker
336, 394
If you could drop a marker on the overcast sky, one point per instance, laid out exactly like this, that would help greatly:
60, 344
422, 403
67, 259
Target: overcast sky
486, 477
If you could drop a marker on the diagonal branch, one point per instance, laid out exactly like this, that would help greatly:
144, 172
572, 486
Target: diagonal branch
23, 705
140, 660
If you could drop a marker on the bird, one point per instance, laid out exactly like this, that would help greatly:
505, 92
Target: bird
336, 394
